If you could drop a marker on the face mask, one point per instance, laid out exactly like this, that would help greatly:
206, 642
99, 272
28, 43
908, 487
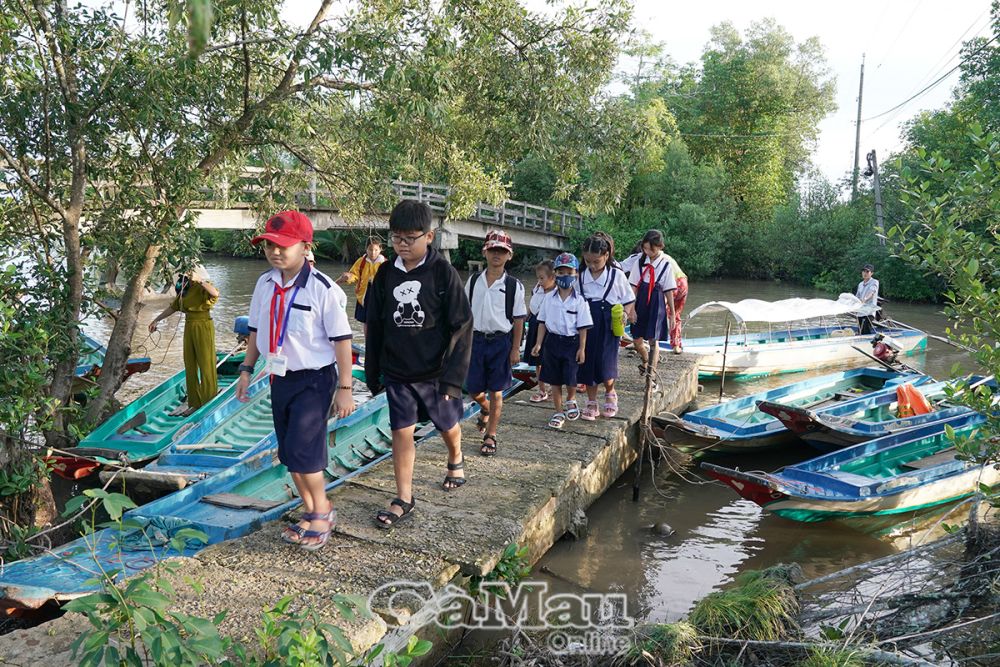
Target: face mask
181, 286
565, 282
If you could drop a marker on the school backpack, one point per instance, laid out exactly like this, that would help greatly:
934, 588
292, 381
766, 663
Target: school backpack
510, 292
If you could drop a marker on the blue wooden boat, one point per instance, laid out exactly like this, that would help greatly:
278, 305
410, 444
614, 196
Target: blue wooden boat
873, 416
92, 355
738, 426
905, 472
228, 505
223, 438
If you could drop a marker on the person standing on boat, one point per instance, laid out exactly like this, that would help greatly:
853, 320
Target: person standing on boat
308, 350
653, 281
196, 296
362, 273
867, 292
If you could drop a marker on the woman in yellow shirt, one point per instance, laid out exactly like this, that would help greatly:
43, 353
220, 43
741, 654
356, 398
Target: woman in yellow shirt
362, 273
195, 298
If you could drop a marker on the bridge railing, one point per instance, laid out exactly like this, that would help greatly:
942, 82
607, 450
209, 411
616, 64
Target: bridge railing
509, 213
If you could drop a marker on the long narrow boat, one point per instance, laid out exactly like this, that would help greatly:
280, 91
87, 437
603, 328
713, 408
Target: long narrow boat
226, 436
225, 506
905, 472
137, 433
873, 416
787, 345
738, 426
92, 355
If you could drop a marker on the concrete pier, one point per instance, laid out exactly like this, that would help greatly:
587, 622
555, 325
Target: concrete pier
527, 494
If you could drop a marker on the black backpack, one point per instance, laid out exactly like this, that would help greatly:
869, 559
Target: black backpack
510, 292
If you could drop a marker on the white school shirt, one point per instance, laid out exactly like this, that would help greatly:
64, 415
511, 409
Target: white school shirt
402, 267
663, 272
565, 318
630, 263
317, 317
868, 290
538, 294
489, 304
594, 288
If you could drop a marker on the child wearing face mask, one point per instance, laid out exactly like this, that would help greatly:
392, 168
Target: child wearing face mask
563, 321
546, 274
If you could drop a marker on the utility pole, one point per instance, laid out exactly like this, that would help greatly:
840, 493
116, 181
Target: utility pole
873, 172
857, 132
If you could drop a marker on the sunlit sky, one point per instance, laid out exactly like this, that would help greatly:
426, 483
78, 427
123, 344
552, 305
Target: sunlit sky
907, 44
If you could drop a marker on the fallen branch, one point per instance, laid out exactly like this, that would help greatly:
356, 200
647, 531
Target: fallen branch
875, 654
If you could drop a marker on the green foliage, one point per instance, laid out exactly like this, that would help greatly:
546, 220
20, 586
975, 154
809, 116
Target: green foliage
827, 657
759, 606
667, 644
954, 233
533, 181
512, 567
231, 242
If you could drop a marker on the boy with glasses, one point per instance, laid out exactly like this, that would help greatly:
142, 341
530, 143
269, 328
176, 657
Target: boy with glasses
417, 345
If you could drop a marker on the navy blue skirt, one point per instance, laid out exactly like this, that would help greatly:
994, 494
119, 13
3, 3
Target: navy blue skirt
601, 362
649, 312
530, 338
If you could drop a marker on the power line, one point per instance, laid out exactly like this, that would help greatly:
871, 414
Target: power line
931, 85
899, 34
944, 60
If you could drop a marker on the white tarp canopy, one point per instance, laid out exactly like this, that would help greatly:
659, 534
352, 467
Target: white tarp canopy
786, 310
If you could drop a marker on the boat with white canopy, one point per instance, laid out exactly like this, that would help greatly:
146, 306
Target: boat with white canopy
769, 337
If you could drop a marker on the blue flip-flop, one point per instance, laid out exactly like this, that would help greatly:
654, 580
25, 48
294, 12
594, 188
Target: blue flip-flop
322, 535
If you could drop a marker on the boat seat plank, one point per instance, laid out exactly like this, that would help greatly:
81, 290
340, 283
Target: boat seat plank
236, 501
850, 477
943, 456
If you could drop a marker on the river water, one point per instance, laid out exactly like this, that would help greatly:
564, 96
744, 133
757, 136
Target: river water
718, 535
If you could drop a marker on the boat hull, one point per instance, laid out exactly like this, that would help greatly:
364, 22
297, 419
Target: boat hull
925, 473
750, 356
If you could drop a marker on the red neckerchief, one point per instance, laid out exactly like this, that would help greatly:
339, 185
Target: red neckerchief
648, 266
277, 316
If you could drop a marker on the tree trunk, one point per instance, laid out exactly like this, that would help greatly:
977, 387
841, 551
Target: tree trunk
119, 345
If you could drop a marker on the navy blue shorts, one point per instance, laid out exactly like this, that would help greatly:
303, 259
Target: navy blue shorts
360, 312
412, 402
489, 368
300, 407
559, 365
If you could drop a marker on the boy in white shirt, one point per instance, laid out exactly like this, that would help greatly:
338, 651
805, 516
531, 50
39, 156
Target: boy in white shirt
308, 350
563, 322
498, 314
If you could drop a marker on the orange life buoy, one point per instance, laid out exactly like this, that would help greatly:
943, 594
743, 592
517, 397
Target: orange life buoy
911, 402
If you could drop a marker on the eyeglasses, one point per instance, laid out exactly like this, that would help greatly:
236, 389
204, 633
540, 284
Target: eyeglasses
399, 239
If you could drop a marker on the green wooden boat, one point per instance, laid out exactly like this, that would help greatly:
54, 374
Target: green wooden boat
140, 431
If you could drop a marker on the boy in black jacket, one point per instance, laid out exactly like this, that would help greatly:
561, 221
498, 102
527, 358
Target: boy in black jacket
418, 342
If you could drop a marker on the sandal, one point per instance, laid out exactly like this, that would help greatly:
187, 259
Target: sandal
610, 408
482, 421
557, 421
488, 450
388, 518
455, 482
539, 396
322, 536
590, 412
293, 534
572, 410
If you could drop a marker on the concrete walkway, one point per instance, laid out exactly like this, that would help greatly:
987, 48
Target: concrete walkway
527, 494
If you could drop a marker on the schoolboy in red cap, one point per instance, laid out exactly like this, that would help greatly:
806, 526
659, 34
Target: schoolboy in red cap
498, 314
298, 322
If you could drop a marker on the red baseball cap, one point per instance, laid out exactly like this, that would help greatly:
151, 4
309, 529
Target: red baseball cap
498, 239
286, 229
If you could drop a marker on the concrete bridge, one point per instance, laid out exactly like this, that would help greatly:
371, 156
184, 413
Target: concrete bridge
529, 225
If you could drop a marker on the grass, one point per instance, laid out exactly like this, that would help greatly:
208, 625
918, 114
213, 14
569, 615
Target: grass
761, 606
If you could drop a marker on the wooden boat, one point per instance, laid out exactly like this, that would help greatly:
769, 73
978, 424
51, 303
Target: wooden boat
91, 359
904, 472
874, 416
223, 438
795, 336
228, 505
137, 433
738, 426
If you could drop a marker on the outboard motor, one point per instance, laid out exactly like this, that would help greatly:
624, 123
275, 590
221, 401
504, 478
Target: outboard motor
884, 349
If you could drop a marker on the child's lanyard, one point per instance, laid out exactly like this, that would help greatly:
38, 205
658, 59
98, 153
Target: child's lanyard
279, 324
